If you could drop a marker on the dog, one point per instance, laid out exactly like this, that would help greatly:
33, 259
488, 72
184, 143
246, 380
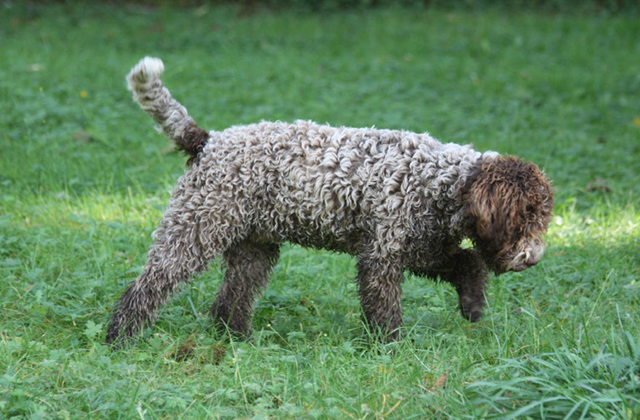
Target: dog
397, 200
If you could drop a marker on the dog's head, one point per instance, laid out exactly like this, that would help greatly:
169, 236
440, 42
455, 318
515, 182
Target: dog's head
508, 208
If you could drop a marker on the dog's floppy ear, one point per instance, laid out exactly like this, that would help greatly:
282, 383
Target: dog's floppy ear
489, 207
509, 199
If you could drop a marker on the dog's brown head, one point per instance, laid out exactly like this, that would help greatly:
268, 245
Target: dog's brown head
508, 208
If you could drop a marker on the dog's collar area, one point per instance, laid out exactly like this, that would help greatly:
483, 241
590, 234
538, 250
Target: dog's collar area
471, 178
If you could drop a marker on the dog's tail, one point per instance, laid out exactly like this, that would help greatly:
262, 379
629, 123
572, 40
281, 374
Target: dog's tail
157, 102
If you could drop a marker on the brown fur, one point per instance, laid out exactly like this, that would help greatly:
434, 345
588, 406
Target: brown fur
192, 142
509, 200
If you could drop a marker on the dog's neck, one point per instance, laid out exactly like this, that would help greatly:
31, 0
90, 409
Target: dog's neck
471, 178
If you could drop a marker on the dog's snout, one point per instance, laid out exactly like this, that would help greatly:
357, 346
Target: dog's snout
532, 260
528, 257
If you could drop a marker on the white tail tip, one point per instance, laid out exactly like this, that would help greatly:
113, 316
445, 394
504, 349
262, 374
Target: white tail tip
147, 69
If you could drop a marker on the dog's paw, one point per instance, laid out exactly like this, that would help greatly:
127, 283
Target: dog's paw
116, 341
118, 338
235, 323
470, 308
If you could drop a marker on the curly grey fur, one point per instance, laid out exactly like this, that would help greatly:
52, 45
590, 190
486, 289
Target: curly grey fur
395, 199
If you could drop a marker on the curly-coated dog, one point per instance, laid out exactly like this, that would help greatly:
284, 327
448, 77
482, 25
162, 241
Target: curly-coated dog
396, 200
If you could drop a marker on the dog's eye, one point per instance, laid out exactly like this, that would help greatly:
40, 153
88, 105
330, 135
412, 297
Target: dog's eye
530, 208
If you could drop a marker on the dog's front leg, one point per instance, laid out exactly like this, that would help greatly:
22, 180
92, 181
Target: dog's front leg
468, 273
380, 289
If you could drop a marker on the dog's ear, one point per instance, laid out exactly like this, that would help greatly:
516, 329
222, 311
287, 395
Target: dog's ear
509, 199
490, 209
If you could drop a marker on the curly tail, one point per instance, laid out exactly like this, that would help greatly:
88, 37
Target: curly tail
157, 102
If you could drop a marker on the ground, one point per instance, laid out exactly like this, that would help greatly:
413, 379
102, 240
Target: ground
84, 179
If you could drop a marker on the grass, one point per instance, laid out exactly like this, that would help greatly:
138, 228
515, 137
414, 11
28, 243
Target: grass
84, 180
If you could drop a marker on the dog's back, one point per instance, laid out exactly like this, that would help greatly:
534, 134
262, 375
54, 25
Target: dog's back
325, 186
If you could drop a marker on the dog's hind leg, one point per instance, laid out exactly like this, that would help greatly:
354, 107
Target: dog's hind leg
248, 266
172, 260
187, 239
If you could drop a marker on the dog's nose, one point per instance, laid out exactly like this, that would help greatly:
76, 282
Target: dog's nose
527, 261
531, 261
534, 254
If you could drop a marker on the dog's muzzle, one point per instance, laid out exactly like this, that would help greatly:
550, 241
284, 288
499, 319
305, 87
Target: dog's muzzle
528, 256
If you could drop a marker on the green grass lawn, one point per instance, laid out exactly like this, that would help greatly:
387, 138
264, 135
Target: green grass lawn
84, 179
